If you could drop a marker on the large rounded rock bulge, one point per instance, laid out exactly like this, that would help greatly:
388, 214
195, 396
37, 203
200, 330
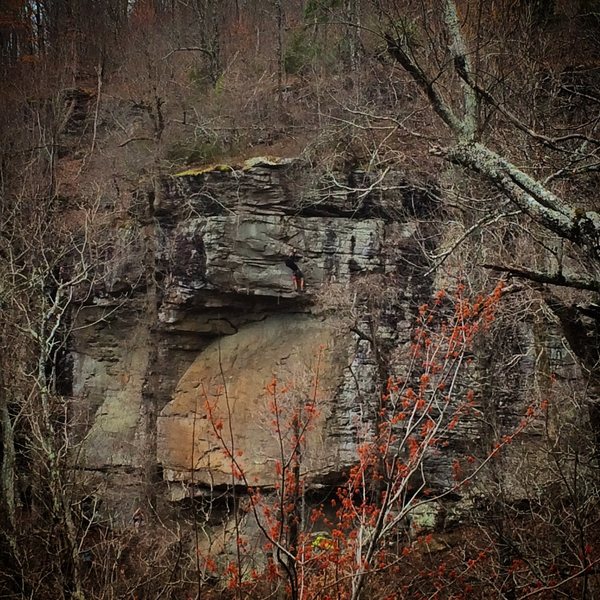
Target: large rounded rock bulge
241, 395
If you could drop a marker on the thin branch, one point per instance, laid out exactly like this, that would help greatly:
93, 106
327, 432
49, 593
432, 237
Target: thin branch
443, 110
483, 222
586, 570
97, 109
135, 139
527, 193
548, 141
190, 49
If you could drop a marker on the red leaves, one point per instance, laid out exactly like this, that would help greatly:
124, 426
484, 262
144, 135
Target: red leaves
516, 565
427, 427
271, 387
413, 449
454, 422
457, 472
413, 422
233, 576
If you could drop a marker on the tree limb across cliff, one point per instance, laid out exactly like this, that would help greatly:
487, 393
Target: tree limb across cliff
559, 279
565, 218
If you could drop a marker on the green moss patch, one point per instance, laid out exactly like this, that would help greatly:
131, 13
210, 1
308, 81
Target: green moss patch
220, 168
247, 165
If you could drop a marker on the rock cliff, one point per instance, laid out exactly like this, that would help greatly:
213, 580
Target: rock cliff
196, 309
196, 296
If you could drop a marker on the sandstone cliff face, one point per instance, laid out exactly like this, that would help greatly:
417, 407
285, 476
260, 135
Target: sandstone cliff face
287, 352
197, 296
198, 306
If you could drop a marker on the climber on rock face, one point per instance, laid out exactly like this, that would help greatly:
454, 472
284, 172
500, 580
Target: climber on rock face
297, 276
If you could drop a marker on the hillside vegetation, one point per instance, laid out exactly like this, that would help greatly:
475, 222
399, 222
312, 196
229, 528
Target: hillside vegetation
487, 111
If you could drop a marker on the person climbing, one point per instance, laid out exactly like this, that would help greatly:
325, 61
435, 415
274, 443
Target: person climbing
291, 262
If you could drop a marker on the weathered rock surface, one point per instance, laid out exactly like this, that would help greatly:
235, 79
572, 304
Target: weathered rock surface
255, 380
196, 298
245, 254
111, 361
205, 269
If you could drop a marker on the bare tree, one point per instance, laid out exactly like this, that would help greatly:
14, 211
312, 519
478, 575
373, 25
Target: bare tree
535, 163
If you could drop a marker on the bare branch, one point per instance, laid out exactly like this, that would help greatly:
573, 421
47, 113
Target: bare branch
553, 279
483, 222
549, 141
190, 49
441, 107
135, 139
545, 207
463, 67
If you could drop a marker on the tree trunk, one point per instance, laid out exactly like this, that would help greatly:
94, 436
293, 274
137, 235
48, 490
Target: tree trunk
8, 468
